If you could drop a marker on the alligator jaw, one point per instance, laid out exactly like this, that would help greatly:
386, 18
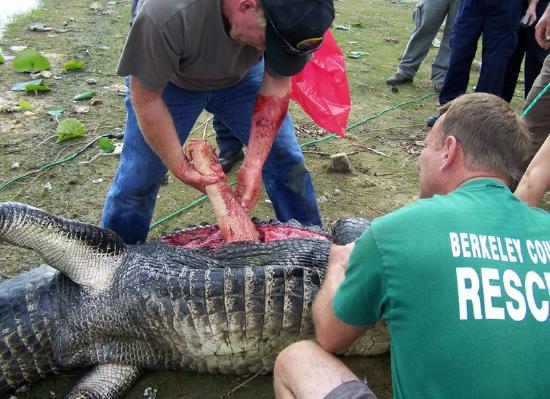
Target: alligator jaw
86, 254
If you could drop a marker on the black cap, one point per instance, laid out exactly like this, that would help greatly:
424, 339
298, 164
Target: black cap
294, 30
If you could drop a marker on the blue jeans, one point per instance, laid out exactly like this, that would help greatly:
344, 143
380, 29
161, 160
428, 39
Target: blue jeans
498, 22
129, 205
227, 141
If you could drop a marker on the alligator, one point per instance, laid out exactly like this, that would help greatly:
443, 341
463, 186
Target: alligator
184, 302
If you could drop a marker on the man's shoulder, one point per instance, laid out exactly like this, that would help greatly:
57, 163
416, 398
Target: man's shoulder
162, 11
417, 210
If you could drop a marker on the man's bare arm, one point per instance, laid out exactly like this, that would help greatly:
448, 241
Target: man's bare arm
542, 30
331, 333
536, 179
269, 111
159, 131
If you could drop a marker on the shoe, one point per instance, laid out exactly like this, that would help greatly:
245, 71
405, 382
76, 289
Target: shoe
431, 120
398, 79
229, 159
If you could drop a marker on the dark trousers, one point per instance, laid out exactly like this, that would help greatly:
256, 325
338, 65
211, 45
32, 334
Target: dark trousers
498, 21
534, 56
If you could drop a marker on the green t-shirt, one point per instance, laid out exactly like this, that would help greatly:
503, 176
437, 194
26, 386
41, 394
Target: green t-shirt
463, 281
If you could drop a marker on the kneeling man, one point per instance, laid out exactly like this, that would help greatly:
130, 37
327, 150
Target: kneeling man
461, 276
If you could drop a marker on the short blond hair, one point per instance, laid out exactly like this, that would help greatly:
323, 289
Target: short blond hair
493, 136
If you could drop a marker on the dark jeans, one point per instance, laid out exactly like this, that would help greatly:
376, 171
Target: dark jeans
498, 22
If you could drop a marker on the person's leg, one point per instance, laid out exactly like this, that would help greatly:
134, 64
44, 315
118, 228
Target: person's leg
286, 179
227, 141
428, 17
304, 370
538, 118
131, 199
231, 148
513, 67
534, 54
500, 36
464, 39
447, 9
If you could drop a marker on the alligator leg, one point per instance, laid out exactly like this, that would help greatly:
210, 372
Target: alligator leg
88, 255
106, 381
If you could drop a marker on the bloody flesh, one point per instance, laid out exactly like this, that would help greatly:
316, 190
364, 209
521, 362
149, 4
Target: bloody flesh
234, 223
210, 236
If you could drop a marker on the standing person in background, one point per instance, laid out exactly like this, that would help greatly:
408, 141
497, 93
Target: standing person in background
231, 148
538, 117
462, 277
428, 16
498, 21
528, 46
184, 56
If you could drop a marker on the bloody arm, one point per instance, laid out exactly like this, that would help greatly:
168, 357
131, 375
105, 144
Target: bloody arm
234, 223
269, 111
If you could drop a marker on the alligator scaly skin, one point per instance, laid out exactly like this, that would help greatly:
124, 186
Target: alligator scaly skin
152, 306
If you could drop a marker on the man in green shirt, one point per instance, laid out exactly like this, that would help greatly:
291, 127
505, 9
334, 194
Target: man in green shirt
462, 276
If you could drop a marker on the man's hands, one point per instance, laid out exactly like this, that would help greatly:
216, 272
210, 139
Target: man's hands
249, 183
187, 174
157, 127
542, 30
530, 16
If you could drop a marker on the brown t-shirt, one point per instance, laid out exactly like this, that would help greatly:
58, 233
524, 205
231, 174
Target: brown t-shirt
183, 42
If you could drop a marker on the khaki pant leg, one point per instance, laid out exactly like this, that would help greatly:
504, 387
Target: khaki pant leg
538, 118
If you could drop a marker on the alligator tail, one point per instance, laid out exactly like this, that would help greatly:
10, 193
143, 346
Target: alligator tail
27, 310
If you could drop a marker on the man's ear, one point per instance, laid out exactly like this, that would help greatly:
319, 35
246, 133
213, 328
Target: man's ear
247, 5
451, 149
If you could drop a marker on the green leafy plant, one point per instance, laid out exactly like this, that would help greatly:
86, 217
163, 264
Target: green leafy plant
357, 54
74, 65
105, 145
2, 60
84, 96
30, 60
24, 105
55, 112
21, 85
70, 128
36, 87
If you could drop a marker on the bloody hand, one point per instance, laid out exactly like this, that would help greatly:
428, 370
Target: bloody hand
248, 185
187, 174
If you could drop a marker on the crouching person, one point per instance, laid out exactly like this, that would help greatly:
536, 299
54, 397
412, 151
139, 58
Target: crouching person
462, 276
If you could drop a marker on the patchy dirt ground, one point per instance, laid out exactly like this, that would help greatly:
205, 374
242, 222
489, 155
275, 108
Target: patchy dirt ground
384, 138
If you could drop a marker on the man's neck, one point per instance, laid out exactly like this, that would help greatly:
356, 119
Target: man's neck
473, 176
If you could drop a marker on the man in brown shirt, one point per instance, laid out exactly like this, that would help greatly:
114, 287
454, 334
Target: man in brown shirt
184, 56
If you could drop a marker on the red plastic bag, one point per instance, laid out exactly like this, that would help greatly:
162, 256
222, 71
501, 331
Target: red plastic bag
322, 88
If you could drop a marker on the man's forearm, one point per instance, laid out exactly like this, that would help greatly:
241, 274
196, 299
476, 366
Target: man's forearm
536, 179
331, 333
156, 125
269, 111
324, 318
